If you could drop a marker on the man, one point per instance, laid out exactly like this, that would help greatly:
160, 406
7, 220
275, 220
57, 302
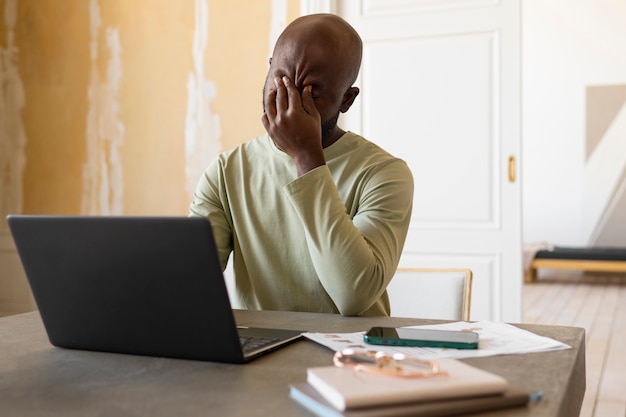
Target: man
315, 217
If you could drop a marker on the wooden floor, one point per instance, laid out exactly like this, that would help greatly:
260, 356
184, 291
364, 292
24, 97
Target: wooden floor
596, 302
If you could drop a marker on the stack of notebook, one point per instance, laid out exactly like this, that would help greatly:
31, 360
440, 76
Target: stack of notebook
332, 391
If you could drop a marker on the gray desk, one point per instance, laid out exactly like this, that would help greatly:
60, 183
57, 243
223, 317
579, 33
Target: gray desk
37, 379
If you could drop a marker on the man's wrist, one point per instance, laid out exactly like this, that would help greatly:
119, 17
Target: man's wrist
308, 163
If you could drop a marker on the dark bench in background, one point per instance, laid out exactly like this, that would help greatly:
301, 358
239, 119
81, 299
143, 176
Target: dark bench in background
597, 259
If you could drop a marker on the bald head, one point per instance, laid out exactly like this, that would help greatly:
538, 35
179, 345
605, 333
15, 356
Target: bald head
326, 35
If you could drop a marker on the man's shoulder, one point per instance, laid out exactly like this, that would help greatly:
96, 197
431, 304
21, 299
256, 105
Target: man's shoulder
256, 145
370, 157
358, 144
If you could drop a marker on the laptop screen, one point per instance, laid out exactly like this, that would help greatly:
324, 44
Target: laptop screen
139, 285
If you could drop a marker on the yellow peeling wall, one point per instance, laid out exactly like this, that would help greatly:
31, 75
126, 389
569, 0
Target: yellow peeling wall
116, 106
107, 107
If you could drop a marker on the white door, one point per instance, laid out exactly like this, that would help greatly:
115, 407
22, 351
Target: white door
440, 86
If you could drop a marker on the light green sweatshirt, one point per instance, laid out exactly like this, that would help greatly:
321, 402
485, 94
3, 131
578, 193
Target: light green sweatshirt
328, 241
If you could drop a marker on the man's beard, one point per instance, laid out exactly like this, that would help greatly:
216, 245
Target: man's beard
329, 127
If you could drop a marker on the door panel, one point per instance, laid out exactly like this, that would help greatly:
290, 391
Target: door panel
440, 89
422, 94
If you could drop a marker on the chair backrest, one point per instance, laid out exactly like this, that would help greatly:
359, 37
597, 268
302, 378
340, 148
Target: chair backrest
431, 293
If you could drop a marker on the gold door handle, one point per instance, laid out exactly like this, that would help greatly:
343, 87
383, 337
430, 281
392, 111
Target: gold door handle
511, 168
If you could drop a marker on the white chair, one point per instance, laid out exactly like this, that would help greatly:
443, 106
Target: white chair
431, 293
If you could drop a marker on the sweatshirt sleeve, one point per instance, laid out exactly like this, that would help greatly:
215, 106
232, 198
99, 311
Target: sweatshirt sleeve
208, 201
355, 258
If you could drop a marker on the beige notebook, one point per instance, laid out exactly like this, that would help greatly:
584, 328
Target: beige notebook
346, 388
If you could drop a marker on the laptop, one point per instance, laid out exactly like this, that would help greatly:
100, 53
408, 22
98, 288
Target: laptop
136, 285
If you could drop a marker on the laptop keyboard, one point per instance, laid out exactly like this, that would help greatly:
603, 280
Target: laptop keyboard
251, 343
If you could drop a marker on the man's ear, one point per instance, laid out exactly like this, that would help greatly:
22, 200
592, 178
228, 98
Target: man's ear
348, 98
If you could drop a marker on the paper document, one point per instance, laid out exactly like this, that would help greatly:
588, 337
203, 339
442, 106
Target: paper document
495, 338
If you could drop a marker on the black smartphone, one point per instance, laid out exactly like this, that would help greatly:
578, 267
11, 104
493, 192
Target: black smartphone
402, 336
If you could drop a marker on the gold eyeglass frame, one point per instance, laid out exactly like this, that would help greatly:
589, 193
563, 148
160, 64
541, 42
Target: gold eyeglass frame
382, 363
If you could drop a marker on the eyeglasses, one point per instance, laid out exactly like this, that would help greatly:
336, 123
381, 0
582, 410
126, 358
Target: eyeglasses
382, 363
